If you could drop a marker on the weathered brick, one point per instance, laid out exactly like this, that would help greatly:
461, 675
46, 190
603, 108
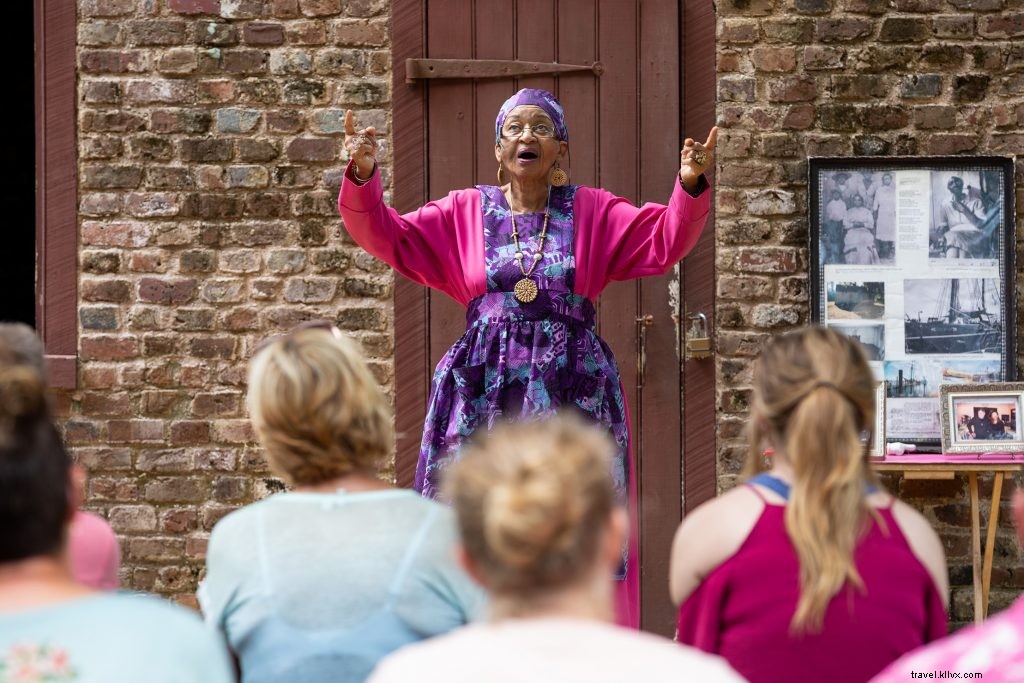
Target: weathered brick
360, 33
167, 291
741, 31
243, 61
113, 61
884, 117
859, 87
98, 317
736, 89
179, 121
195, 6
842, 30
213, 347
257, 151
224, 404
956, 27
871, 146
240, 261
935, 116
792, 89
773, 58
970, 87
194, 319
155, 32
112, 122
263, 33
921, 85
110, 348
820, 57
236, 120
904, 30
1008, 25
313, 149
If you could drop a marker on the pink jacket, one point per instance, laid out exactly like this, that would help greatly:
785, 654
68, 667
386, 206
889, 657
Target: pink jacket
441, 245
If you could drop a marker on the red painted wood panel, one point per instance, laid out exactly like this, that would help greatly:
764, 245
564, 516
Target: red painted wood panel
57, 189
699, 419
624, 136
658, 430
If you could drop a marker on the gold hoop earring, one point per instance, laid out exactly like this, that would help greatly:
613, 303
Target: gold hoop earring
559, 178
501, 174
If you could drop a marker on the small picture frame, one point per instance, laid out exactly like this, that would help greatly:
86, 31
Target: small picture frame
876, 449
982, 418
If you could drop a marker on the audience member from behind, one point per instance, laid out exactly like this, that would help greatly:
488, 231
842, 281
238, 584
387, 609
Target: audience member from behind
992, 651
92, 547
319, 583
809, 572
542, 532
51, 627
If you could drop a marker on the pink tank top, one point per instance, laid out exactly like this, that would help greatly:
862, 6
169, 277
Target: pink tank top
743, 608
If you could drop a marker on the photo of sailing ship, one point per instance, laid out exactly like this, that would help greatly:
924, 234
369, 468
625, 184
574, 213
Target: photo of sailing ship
855, 300
954, 315
871, 338
922, 378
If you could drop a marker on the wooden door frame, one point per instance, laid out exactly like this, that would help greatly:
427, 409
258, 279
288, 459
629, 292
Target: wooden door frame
412, 358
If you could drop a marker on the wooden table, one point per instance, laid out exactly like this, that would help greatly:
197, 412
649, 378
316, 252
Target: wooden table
912, 468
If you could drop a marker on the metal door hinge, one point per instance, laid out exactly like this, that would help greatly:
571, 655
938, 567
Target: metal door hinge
488, 68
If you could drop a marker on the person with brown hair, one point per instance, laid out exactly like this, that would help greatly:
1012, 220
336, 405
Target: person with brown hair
93, 550
53, 628
541, 529
318, 583
809, 565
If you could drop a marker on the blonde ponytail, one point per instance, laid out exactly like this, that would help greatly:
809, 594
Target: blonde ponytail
814, 398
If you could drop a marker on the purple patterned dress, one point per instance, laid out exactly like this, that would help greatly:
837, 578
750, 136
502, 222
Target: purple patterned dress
521, 360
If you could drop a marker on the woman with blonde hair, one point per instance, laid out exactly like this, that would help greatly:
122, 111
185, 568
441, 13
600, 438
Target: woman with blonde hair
541, 530
809, 571
318, 583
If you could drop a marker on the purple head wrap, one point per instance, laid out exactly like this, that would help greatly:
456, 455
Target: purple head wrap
538, 98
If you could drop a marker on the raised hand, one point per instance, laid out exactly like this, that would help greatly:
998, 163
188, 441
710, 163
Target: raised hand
695, 157
361, 146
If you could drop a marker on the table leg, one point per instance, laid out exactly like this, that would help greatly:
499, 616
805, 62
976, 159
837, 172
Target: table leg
990, 540
972, 478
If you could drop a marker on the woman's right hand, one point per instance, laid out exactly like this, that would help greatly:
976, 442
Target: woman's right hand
361, 146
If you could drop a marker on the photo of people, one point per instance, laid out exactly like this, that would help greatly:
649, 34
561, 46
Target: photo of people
855, 300
966, 215
944, 316
858, 218
871, 338
985, 418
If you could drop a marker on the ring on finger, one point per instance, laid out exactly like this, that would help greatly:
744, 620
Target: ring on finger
700, 157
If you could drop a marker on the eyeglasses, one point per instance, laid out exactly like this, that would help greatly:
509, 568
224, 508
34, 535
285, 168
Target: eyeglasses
516, 130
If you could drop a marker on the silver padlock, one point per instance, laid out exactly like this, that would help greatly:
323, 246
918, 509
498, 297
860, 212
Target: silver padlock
698, 342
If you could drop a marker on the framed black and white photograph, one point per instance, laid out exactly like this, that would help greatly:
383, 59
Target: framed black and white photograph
914, 258
952, 316
966, 215
870, 337
982, 418
855, 301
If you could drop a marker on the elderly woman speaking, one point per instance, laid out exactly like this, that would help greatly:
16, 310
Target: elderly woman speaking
527, 258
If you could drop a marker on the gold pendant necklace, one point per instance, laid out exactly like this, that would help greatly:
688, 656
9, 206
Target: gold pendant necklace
526, 289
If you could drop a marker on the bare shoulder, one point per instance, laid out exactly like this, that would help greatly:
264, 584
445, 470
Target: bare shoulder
924, 542
710, 535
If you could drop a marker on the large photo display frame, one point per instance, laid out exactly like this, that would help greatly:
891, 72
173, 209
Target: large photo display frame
914, 258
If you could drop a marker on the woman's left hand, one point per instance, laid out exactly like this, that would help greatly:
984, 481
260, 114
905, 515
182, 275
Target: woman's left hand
695, 158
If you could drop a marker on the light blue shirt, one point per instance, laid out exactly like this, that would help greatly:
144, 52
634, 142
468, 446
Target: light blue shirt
317, 587
111, 638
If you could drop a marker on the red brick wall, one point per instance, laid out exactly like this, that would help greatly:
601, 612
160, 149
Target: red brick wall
209, 161
843, 78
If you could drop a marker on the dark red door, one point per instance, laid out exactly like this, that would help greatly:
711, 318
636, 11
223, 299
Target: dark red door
625, 134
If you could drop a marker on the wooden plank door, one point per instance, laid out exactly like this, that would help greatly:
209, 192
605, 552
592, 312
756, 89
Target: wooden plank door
624, 136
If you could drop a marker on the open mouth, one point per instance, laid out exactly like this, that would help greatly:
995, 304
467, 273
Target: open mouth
527, 155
